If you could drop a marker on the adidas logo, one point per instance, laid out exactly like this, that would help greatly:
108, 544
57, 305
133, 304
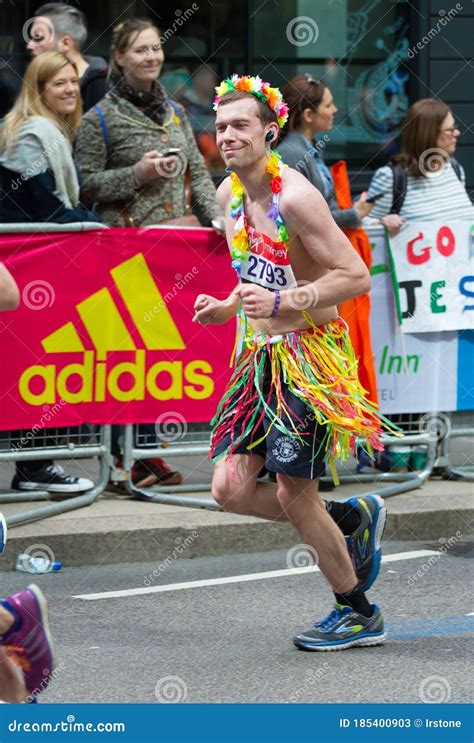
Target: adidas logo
94, 379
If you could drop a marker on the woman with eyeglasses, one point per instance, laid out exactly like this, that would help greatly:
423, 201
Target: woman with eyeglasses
312, 111
424, 181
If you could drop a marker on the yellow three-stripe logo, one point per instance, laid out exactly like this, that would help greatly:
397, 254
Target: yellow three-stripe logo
103, 321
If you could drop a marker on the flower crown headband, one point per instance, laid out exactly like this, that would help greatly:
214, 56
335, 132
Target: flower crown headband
257, 87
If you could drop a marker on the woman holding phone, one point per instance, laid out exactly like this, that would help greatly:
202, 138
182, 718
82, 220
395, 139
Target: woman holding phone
136, 149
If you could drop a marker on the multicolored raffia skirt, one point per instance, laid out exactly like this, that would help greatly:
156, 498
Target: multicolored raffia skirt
319, 367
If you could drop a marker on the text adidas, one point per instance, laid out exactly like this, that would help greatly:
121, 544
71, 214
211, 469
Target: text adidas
92, 380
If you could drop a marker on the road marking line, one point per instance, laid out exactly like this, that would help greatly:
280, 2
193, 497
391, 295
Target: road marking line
234, 578
453, 631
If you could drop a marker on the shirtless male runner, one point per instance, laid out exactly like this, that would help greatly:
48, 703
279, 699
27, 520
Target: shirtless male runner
294, 400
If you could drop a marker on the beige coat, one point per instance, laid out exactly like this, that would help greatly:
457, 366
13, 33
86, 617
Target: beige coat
107, 171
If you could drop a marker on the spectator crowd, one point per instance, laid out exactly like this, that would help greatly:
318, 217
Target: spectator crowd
89, 140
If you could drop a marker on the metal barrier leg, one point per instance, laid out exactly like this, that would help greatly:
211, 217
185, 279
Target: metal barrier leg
174, 495
80, 501
165, 496
456, 473
411, 480
15, 496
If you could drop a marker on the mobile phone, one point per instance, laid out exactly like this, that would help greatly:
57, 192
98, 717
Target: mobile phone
374, 198
171, 151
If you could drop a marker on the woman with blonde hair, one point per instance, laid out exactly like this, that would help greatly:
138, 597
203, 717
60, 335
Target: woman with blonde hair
40, 183
38, 176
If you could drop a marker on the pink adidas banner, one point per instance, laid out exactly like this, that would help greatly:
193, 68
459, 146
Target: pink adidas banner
104, 332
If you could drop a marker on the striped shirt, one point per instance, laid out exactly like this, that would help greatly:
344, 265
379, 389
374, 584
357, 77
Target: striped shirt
440, 195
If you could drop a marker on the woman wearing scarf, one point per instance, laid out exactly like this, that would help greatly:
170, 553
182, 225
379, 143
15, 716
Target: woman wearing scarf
121, 142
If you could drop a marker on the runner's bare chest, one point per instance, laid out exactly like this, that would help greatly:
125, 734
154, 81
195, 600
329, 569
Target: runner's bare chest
270, 262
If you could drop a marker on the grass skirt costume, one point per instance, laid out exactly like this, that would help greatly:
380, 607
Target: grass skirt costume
319, 368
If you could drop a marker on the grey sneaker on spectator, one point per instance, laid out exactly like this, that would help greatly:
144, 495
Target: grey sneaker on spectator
51, 478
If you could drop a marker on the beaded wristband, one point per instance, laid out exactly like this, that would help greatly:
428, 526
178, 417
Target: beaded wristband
276, 306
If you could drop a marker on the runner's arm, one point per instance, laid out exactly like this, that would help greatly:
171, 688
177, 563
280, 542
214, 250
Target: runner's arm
9, 292
211, 311
307, 216
208, 309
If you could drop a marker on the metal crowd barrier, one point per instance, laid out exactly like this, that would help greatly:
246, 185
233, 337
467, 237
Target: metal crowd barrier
196, 443
12, 227
138, 445
69, 445
62, 444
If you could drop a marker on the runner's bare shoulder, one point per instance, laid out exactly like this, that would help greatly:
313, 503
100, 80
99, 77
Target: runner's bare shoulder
223, 193
298, 193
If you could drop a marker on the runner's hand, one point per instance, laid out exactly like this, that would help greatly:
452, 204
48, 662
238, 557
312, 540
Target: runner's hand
257, 302
206, 309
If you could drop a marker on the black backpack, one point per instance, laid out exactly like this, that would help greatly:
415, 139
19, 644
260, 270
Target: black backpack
400, 183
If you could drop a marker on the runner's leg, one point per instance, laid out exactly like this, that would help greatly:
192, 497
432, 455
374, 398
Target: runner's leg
299, 499
235, 488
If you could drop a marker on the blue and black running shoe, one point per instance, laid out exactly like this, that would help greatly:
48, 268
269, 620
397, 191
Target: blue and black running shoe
364, 542
343, 628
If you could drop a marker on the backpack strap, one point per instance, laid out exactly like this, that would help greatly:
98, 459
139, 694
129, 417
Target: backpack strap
103, 126
175, 108
456, 167
399, 187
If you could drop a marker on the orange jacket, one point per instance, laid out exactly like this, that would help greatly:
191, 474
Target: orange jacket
356, 312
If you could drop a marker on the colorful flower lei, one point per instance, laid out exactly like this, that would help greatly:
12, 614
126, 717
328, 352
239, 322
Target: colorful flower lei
257, 87
240, 239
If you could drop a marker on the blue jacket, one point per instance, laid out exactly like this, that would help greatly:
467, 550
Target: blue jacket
34, 200
295, 151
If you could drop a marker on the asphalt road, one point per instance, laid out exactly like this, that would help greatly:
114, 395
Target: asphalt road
233, 642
